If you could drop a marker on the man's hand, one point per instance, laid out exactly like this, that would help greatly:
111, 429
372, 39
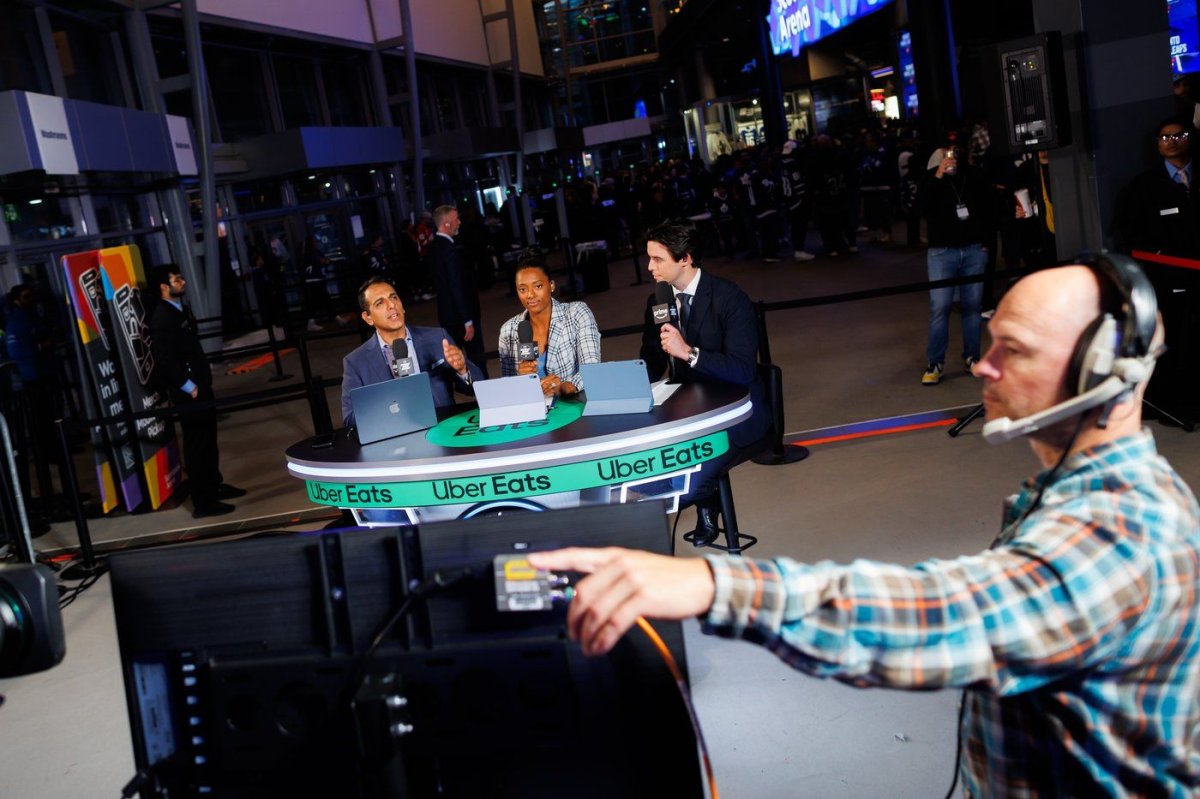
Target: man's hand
468, 332
949, 162
624, 584
527, 367
454, 357
673, 343
195, 392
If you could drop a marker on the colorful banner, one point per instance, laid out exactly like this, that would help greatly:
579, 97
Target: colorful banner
117, 464
121, 269
612, 470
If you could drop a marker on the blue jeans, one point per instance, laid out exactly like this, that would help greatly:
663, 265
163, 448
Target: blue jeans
947, 262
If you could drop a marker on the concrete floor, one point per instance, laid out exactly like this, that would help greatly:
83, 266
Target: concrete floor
773, 732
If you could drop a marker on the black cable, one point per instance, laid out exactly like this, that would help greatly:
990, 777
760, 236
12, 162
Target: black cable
72, 593
1037, 500
437, 581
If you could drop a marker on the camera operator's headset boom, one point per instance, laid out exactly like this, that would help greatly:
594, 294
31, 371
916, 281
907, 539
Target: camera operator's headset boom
1114, 353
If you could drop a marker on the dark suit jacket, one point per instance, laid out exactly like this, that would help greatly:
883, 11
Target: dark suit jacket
457, 297
178, 356
1156, 214
722, 324
367, 365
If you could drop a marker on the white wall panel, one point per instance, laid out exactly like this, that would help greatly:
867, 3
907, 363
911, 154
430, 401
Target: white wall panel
342, 19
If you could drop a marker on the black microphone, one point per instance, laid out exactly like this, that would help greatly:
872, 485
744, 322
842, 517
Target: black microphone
665, 310
527, 348
402, 365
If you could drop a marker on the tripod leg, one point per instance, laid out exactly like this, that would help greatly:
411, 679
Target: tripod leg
966, 420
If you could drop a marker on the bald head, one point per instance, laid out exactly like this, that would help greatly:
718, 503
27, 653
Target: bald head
1056, 303
1035, 332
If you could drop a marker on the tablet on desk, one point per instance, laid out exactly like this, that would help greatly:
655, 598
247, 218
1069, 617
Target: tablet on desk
393, 407
510, 400
616, 387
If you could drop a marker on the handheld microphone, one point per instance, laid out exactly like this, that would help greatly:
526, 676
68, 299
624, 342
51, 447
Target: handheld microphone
527, 348
665, 310
402, 365
1126, 374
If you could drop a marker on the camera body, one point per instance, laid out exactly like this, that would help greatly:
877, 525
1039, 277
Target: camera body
31, 628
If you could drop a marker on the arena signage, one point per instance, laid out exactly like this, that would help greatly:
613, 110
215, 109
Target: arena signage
796, 23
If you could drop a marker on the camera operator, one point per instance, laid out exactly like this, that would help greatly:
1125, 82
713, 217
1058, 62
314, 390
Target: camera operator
1077, 633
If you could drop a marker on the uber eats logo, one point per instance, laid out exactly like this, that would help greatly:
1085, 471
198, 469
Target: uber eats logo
611, 471
464, 430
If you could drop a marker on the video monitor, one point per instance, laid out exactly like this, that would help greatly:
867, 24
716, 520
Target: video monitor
245, 677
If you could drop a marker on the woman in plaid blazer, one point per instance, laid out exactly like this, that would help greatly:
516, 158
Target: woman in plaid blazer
565, 332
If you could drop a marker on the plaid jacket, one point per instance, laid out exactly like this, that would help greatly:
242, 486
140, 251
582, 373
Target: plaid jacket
574, 339
1077, 633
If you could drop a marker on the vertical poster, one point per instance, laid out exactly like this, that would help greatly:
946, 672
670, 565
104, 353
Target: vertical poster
117, 463
121, 270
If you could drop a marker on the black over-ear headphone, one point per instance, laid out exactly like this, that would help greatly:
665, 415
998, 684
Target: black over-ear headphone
1123, 331
1113, 354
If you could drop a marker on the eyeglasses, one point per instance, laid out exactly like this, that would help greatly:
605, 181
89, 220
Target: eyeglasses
1182, 135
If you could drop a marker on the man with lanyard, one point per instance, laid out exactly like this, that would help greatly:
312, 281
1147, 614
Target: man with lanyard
1076, 634
958, 207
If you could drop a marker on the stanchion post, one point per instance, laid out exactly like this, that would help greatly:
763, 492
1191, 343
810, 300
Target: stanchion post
772, 377
637, 266
88, 566
318, 406
279, 375
764, 340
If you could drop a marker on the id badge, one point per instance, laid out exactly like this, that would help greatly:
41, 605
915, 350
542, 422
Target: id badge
963, 212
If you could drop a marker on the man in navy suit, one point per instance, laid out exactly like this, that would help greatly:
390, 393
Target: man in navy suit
429, 347
457, 295
717, 339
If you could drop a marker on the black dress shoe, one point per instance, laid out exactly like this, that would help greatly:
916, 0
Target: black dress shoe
706, 527
226, 491
212, 509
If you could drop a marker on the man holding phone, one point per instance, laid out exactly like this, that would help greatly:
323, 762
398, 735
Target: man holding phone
958, 208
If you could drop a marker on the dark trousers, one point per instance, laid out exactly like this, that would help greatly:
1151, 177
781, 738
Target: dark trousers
201, 458
703, 488
770, 227
798, 220
833, 234
474, 350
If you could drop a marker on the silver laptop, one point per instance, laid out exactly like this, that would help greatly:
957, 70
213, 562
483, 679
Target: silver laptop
393, 407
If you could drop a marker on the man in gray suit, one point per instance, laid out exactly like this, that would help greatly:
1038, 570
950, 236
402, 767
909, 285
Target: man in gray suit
430, 348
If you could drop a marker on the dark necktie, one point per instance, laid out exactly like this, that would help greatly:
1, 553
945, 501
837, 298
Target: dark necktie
685, 309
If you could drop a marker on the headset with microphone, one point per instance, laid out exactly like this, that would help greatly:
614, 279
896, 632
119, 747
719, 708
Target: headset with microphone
1114, 353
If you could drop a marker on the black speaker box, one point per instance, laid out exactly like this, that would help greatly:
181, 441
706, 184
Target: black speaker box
1028, 75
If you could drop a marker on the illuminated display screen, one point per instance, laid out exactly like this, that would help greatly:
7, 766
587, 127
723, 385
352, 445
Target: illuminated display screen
1185, 35
795, 23
908, 75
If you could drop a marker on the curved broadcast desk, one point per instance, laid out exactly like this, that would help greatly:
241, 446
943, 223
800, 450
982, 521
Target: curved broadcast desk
590, 460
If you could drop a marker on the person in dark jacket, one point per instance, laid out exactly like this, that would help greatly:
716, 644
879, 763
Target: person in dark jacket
181, 373
457, 297
716, 339
958, 205
1159, 211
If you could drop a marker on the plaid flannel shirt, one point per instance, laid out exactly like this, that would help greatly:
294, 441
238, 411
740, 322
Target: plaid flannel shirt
574, 339
1078, 632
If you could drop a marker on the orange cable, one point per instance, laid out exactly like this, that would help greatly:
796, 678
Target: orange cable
669, 659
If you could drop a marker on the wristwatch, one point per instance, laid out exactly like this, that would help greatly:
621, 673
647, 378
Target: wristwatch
693, 356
